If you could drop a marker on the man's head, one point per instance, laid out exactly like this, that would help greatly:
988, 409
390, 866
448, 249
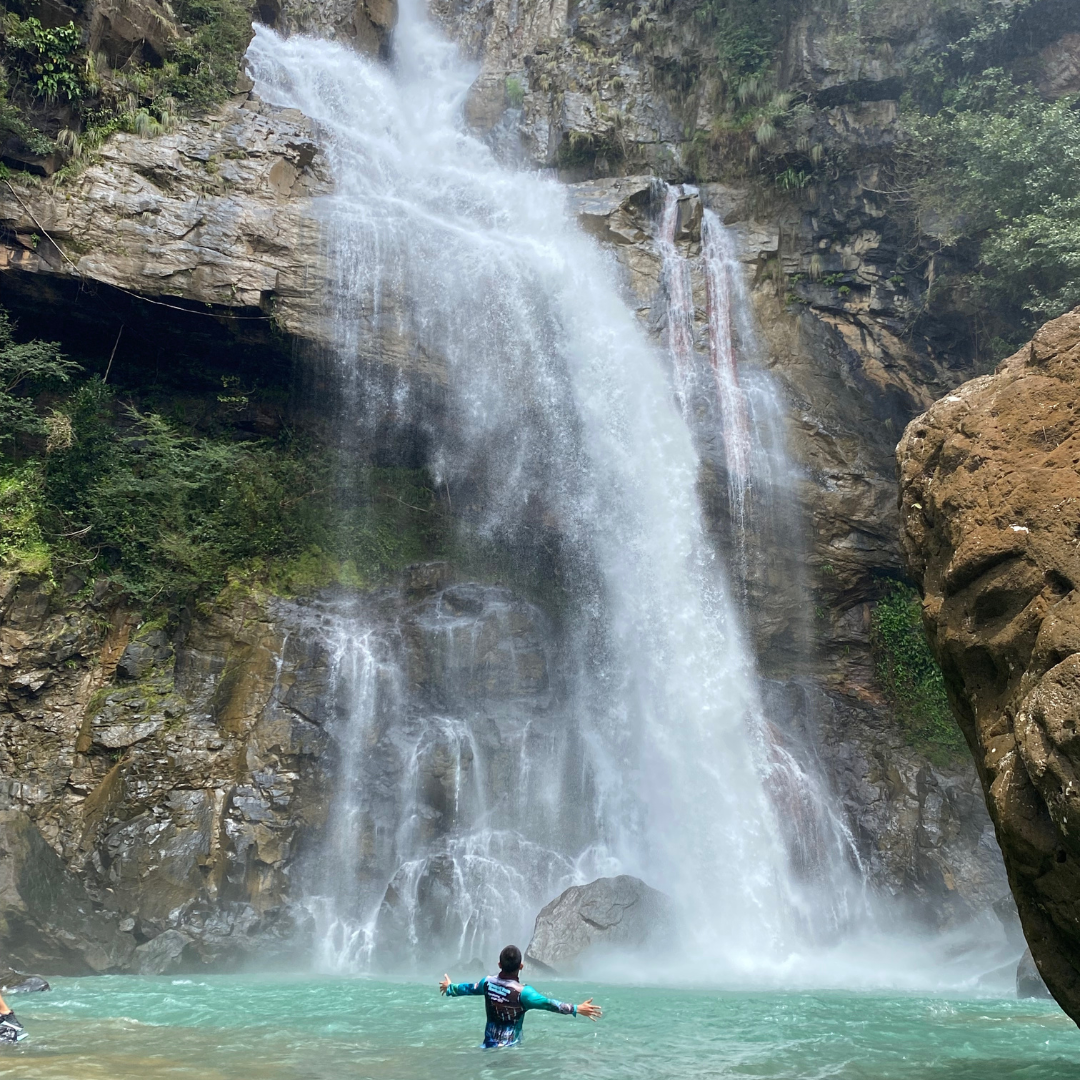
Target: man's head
510, 961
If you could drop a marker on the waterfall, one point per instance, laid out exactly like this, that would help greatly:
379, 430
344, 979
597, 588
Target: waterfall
550, 420
722, 271
680, 295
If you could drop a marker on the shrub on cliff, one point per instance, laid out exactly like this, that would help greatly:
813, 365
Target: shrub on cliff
910, 676
1006, 165
25, 368
92, 482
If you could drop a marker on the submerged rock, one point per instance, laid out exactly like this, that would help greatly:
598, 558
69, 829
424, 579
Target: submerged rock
617, 913
990, 503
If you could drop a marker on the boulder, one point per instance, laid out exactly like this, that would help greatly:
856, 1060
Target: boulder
18, 982
163, 954
990, 506
47, 920
617, 913
1029, 983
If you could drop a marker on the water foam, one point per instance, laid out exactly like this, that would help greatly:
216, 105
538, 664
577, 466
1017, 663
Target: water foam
555, 417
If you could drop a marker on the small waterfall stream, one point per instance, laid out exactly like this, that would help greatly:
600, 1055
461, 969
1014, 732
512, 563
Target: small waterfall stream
486, 761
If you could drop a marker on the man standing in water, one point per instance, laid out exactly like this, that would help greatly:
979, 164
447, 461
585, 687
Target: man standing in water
11, 1030
507, 1000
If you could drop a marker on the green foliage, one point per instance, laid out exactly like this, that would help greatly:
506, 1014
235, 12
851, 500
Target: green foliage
47, 59
22, 544
792, 179
745, 32
515, 92
1007, 165
168, 514
25, 368
45, 68
910, 676
203, 67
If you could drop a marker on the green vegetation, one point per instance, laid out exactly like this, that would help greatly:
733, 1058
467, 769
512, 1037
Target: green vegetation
1006, 164
97, 485
46, 59
910, 676
32, 364
745, 33
515, 92
203, 67
47, 77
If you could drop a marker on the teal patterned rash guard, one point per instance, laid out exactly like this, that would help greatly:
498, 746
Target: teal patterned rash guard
507, 1001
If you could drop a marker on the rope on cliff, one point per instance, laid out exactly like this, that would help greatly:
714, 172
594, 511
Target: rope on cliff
120, 288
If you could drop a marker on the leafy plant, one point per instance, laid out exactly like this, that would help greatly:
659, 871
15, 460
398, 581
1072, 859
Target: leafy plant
1005, 162
47, 58
792, 179
203, 67
515, 92
24, 368
910, 676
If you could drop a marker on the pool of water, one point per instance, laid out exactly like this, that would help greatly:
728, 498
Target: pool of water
246, 1028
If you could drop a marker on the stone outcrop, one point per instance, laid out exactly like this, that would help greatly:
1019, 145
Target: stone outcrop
1029, 983
610, 915
217, 213
365, 25
990, 503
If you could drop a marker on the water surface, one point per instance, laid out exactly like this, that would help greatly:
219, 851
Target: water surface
248, 1028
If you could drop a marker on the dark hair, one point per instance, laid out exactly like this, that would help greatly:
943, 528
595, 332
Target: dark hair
510, 960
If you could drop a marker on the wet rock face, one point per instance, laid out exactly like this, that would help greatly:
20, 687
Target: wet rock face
990, 502
47, 919
171, 777
165, 791
366, 25
16, 982
620, 913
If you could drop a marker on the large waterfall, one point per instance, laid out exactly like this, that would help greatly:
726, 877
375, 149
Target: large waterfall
554, 428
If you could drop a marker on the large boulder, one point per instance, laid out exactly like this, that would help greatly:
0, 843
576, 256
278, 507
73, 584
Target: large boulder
18, 982
47, 920
617, 913
990, 504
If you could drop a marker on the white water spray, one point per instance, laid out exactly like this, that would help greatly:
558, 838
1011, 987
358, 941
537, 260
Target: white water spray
554, 417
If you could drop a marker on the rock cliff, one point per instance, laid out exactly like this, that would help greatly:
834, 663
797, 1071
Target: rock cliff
161, 790
125, 741
990, 503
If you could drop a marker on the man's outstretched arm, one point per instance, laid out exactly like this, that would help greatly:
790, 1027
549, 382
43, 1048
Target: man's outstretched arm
460, 989
533, 999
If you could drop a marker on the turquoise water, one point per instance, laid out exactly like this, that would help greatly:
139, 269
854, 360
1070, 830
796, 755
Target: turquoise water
245, 1028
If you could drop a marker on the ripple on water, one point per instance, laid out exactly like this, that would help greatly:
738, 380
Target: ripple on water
231, 1028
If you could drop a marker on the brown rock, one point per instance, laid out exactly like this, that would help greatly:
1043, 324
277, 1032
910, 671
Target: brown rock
990, 506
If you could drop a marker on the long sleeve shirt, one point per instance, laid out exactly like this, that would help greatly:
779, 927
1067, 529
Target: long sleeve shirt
506, 1002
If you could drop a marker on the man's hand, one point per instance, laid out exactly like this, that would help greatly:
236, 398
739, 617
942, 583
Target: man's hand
587, 1008
444, 985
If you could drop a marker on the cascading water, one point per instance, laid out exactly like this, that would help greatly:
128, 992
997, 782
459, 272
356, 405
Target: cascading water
721, 272
554, 420
680, 297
